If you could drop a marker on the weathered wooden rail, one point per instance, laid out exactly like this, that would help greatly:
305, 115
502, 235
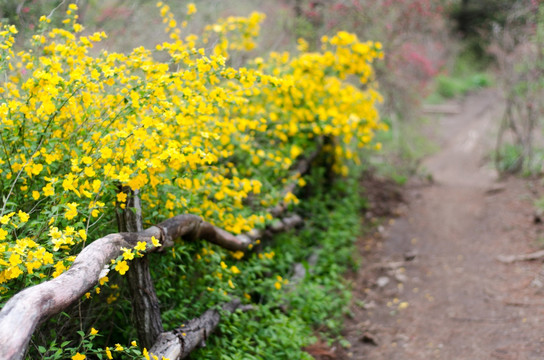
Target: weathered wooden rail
27, 309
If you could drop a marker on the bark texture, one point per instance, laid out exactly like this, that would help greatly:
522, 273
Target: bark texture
180, 342
146, 313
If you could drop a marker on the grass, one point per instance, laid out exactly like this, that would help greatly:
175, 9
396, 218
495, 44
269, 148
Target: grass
512, 161
468, 74
452, 86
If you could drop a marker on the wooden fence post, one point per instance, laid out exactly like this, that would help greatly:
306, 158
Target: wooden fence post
145, 304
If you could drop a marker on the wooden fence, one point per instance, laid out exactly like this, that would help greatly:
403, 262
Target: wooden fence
27, 309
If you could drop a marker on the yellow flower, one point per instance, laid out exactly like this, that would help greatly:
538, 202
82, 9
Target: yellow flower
89, 171
78, 356
118, 347
23, 217
94, 331
15, 259
71, 212
155, 242
121, 197
48, 190
59, 269
108, 353
3, 234
234, 270
106, 153
290, 198
141, 246
122, 267
36, 169
127, 254
191, 8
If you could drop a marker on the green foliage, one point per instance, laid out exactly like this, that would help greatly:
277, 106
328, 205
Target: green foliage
284, 320
510, 158
539, 204
264, 333
449, 87
468, 74
85, 344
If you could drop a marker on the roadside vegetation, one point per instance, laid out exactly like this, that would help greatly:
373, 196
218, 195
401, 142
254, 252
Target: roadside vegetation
87, 135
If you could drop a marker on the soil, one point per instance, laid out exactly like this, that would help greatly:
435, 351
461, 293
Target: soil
430, 285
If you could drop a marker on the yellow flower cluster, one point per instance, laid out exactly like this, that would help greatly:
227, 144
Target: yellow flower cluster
193, 135
233, 33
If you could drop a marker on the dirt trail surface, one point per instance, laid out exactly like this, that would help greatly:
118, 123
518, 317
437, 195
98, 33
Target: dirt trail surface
431, 286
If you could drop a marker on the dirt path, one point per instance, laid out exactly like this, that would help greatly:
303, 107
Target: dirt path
431, 287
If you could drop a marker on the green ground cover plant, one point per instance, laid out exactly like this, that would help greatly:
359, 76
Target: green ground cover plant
288, 317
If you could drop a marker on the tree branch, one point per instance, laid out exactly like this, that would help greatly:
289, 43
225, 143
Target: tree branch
180, 342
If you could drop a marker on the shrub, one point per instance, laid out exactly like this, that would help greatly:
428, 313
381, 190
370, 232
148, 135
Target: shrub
191, 134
